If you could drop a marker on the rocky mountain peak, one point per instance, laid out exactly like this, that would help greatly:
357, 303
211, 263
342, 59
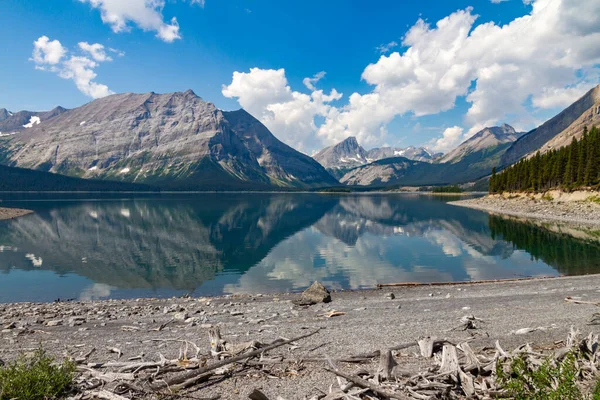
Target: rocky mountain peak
4, 113
190, 92
346, 154
485, 138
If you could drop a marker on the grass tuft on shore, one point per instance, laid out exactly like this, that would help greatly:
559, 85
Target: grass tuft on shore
36, 377
550, 380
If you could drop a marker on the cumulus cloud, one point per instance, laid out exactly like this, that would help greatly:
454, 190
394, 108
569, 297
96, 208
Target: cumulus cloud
81, 71
266, 94
96, 51
311, 82
451, 138
47, 52
51, 56
543, 60
145, 14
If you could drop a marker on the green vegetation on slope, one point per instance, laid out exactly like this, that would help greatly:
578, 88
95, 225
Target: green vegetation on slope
571, 167
446, 189
14, 179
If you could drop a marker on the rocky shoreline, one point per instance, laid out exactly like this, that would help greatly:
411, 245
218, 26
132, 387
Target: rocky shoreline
10, 213
578, 208
360, 322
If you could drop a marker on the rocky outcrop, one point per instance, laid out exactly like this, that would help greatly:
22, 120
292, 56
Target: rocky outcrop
560, 130
175, 140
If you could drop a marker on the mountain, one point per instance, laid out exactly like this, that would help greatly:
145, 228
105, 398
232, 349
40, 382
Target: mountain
388, 171
174, 141
558, 131
410, 152
473, 159
12, 123
342, 157
339, 159
484, 139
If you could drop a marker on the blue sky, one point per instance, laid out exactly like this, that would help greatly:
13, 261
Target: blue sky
508, 61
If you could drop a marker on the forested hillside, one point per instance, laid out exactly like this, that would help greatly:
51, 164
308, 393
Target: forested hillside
571, 167
19, 179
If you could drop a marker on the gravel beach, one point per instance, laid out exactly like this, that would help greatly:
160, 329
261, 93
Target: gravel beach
9, 213
372, 320
574, 208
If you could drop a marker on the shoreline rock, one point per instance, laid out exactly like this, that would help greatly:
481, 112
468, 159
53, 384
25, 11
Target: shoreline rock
10, 213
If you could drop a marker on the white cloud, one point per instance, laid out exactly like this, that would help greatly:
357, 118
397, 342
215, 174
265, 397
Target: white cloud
544, 59
266, 94
560, 97
145, 14
48, 52
95, 50
501, 1
385, 48
49, 55
451, 138
116, 51
311, 82
81, 71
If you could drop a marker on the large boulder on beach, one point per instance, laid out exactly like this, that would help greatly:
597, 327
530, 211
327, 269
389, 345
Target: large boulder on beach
316, 293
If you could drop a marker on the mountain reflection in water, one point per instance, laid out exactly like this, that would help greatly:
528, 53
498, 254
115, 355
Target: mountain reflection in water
208, 244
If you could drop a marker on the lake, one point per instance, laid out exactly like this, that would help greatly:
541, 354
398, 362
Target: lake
124, 246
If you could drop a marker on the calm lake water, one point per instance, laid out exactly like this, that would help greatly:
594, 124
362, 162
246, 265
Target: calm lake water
211, 244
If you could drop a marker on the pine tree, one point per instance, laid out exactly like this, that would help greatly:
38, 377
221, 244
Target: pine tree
574, 166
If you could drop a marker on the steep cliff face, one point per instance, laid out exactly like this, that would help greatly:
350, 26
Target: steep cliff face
560, 130
282, 163
175, 140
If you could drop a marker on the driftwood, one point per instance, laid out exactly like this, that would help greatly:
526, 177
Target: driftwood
456, 371
413, 284
450, 364
386, 365
368, 385
222, 363
569, 299
216, 343
426, 346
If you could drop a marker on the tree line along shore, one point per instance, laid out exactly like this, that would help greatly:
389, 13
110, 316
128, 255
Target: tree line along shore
576, 166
